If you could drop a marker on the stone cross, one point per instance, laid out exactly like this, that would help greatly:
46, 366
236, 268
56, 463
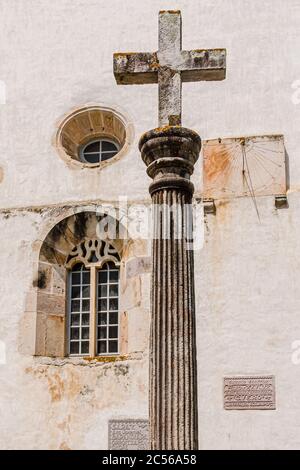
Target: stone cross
169, 67
170, 153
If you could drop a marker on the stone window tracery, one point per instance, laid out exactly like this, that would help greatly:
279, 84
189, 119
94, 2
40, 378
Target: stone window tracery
92, 250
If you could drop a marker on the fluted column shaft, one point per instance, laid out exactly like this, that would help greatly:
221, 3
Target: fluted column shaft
170, 154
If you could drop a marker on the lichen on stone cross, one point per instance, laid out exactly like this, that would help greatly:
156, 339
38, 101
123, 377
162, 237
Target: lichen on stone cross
169, 67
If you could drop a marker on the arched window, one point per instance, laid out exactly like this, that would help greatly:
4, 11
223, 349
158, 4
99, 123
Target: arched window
79, 311
93, 300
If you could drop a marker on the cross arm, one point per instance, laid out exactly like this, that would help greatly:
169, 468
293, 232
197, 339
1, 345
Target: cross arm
135, 67
203, 64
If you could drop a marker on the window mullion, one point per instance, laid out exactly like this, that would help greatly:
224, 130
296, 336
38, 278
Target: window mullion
93, 311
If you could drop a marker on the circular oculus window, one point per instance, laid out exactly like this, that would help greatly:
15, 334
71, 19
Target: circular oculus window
93, 135
98, 150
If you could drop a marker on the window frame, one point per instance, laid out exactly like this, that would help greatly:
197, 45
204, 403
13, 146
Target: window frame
69, 310
108, 311
94, 268
100, 153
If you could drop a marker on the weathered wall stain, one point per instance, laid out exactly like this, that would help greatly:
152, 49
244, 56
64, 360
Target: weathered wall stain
243, 166
80, 225
216, 163
61, 384
40, 281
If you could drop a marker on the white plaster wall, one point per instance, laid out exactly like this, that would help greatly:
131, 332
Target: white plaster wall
60, 403
57, 55
247, 320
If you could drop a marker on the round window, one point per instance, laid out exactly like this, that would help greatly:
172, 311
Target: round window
98, 150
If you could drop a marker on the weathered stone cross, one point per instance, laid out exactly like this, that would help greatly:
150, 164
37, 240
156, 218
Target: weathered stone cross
169, 67
170, 153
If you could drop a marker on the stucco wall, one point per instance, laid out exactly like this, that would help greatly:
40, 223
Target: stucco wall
57, 56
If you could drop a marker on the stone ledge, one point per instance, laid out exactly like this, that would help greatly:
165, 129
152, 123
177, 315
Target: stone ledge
88, 361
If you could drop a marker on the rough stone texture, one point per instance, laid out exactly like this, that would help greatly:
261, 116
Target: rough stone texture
128, 434
169, 67
249, 393
170, 155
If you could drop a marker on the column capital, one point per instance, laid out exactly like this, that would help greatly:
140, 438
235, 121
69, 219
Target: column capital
170, 153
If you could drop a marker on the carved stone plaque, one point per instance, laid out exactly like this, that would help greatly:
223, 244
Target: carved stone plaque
128, 434
249, 393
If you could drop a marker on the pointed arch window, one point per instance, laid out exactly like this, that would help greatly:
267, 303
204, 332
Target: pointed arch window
93, 300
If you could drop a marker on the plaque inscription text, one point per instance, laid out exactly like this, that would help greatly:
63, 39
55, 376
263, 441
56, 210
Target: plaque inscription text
249, 393
128, 434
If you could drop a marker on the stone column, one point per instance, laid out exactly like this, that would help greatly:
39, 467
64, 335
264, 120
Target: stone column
170, 154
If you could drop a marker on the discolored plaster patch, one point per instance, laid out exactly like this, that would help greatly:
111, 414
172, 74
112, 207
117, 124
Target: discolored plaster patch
138, 265
64, 446
56, 387
61, 383
121, 369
